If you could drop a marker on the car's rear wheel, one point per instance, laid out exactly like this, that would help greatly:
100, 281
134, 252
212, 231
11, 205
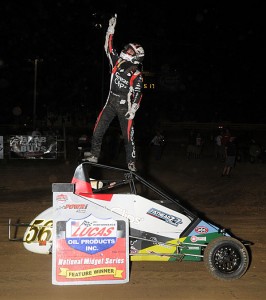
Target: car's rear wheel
226, 258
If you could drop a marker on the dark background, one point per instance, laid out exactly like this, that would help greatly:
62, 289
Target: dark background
203, 61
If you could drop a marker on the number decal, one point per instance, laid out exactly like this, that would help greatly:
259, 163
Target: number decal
40, 230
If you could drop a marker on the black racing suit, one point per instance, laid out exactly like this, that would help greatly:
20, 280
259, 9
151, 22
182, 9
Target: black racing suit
126, 85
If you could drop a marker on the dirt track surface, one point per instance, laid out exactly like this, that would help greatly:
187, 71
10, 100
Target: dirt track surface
237, 203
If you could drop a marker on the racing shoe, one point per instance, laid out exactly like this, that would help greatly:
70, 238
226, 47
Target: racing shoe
131, 166
89, 157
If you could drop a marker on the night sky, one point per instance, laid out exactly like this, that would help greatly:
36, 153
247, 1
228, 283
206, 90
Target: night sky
203, 62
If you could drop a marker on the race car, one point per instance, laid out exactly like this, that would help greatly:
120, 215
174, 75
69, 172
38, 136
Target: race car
161, 228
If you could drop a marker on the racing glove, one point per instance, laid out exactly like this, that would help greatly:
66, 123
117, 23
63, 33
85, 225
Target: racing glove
112, 23
131, 112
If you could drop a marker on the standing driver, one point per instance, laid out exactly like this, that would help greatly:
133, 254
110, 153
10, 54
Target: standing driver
124, 97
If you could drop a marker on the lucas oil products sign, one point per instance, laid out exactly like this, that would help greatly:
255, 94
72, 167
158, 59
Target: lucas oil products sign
90, 243
91, 235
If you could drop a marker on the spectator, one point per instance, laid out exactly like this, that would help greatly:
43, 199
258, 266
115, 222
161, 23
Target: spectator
218, 147
230, 156
199, 144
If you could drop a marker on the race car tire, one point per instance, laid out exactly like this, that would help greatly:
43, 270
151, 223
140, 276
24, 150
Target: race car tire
226, 258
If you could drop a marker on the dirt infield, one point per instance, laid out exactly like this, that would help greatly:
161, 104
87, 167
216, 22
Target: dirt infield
237, 203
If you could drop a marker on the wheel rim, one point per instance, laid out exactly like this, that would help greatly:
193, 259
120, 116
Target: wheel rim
227, 259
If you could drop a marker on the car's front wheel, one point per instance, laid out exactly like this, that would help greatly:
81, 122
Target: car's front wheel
226, 258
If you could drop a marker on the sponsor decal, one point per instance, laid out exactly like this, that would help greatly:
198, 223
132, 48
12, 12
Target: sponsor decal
91, 235
120, 81
133, 250
75, 206
195, 239
193, 248
201, 229
61, 198
80, 208
123, 212
173, 220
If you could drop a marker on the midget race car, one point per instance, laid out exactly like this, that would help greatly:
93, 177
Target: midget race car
160, 227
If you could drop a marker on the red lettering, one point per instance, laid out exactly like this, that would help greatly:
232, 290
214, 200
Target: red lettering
76, 232
75, 206
101, 232
93, 231
109, 231
86, 231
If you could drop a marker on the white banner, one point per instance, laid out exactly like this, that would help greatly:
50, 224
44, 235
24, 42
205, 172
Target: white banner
26, 146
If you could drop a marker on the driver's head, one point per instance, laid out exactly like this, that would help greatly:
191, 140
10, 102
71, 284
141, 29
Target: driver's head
133, 52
